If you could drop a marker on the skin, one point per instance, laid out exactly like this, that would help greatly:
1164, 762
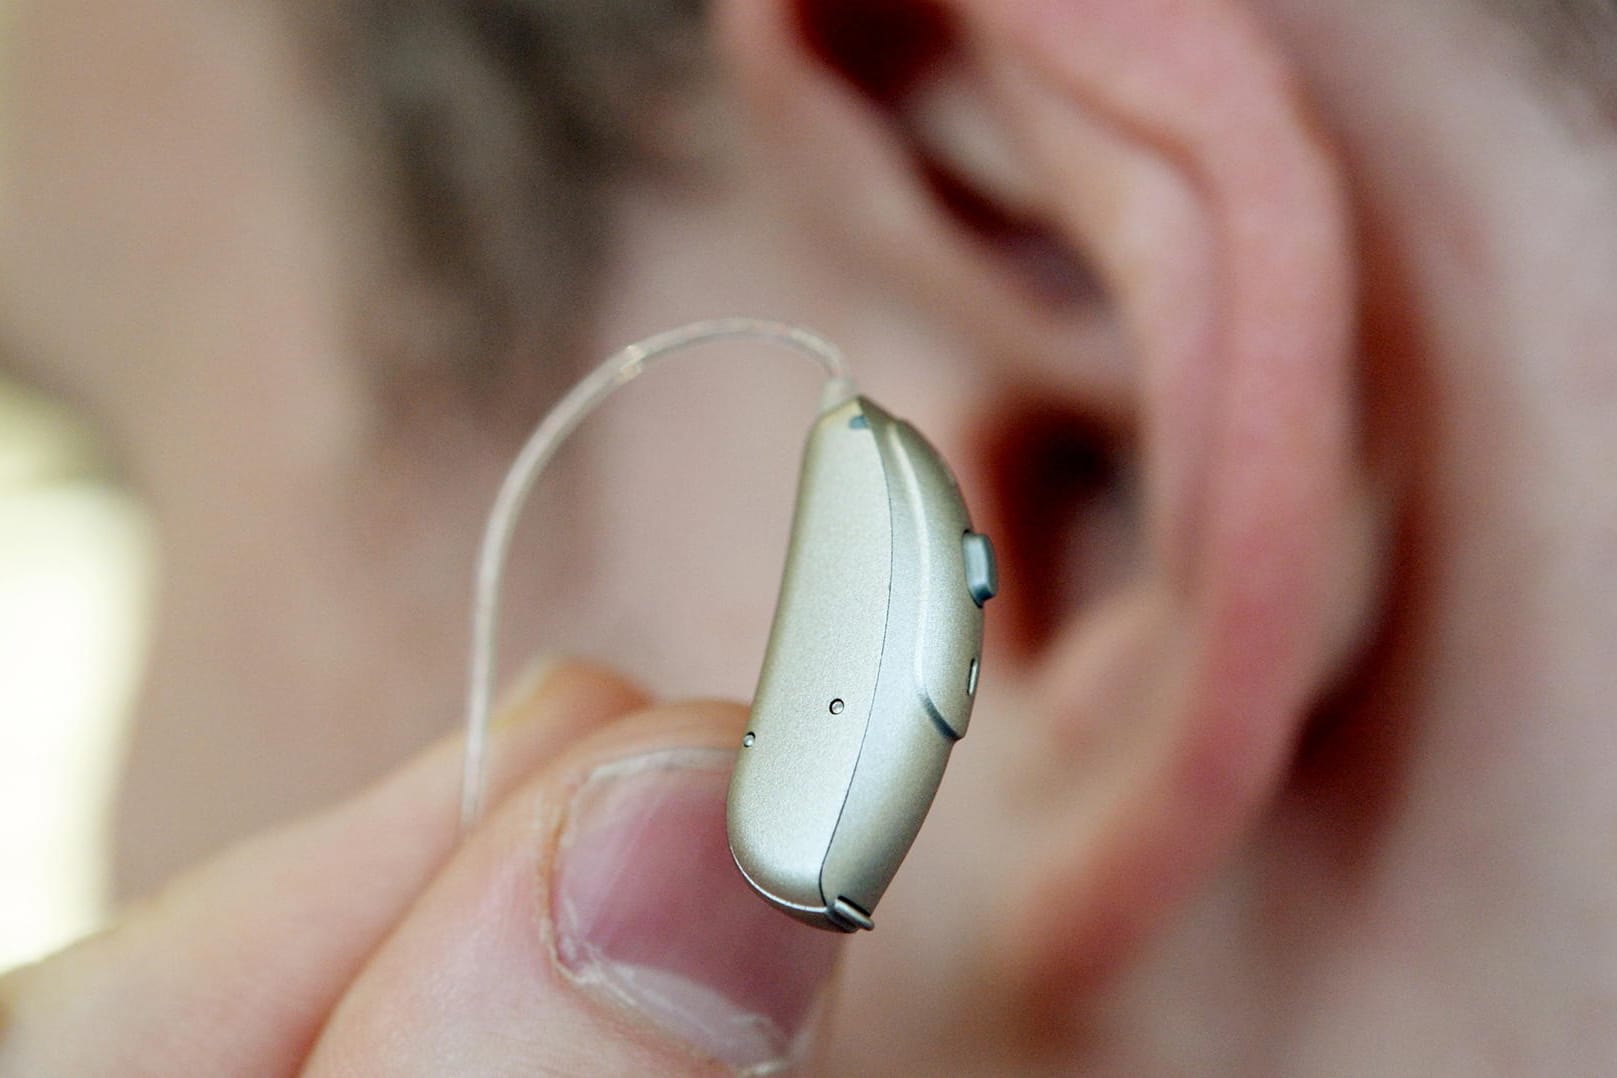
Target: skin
1293, 750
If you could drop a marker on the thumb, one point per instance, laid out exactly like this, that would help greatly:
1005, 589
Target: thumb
235, 968
596, 925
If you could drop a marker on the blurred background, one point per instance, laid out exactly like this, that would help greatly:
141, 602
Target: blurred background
307, 279
75, 583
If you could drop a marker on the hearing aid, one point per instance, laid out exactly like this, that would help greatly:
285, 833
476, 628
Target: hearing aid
873, 656
870, 673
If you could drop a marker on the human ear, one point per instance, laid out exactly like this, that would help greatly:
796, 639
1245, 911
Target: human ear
1031, 170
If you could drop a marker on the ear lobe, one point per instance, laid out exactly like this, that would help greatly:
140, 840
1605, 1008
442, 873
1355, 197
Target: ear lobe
1170, 144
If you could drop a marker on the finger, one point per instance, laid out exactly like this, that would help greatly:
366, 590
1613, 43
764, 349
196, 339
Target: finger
596, 925
233, 969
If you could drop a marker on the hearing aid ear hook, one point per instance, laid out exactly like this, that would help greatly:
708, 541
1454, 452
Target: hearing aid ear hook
873, 657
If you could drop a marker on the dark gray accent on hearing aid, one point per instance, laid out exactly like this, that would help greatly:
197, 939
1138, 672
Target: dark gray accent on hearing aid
982, 573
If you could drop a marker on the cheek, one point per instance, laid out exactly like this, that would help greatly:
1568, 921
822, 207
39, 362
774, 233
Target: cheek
154, 167
92, 165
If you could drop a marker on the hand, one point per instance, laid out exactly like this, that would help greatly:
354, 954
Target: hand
593, 924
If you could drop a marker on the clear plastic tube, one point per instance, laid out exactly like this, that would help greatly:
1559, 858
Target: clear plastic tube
618, 370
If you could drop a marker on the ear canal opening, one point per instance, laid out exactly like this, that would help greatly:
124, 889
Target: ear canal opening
1063, 506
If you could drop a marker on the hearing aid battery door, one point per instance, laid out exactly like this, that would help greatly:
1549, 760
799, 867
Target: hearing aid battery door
870, 672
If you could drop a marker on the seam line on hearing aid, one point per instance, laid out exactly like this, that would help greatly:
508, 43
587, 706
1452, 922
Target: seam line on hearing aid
926, 578
833, 903
619, 369
870, 713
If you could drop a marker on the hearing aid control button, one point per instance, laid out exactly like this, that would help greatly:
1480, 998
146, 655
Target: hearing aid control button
982, 575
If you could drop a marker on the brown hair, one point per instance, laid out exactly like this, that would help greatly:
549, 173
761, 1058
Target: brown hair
490, 133
1578, 42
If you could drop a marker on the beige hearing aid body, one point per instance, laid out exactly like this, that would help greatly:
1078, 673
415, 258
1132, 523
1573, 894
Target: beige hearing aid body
872, 661
870, 674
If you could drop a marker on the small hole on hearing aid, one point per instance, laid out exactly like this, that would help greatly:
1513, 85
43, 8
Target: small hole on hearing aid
836, 706
746, 742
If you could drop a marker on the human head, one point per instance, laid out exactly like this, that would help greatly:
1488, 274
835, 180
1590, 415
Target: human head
1275, 339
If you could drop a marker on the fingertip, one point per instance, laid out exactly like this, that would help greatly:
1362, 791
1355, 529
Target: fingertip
597, 923
550, 683
556, 702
